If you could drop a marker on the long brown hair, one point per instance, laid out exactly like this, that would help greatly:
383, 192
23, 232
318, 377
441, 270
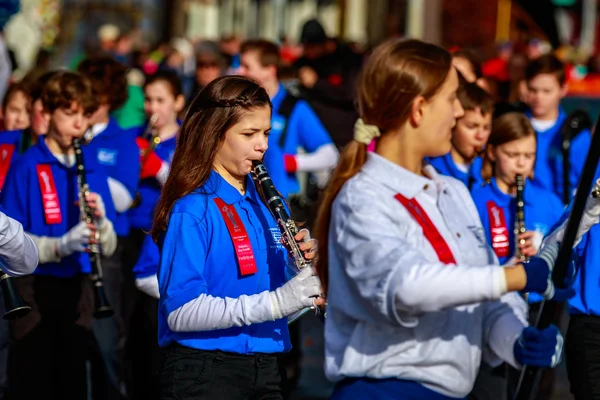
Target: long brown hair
506, 128
395, 74
219, 106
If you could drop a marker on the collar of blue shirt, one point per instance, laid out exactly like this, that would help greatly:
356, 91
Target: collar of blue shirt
44, 156
400, 180
221, 188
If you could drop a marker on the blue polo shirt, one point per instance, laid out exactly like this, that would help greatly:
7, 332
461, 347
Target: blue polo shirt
142, 216
587, 260
445, 165
304, 130
22, 200
147, 263
118, 153
548, 172
197, 256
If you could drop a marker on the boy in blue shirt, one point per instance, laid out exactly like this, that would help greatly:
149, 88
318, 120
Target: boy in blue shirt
49, 350
546, 82
117, 152
294, 123
469, 136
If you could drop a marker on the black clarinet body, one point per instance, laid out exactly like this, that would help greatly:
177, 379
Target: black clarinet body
13, 304
102, 308
520, 217
288, 228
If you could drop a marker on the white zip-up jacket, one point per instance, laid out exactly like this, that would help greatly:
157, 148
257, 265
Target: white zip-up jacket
394, 310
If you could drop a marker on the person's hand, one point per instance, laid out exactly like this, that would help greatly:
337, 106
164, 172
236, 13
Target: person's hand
539, 275
307, 245
75, 240
539, 348
95, 202
527, 243
300, 292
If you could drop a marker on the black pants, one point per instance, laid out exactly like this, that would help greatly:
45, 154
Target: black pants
140, 315
583, 356
196, 374
50, 345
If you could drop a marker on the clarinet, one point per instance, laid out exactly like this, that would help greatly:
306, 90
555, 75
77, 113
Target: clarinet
288, 228
102, 306
520, 219
13, 304
153, 141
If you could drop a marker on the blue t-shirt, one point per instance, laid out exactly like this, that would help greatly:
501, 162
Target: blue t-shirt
542, 210
548, 172
142, 216
197, 256
147, 263
304, 130
22, 200
118, 153
445, 165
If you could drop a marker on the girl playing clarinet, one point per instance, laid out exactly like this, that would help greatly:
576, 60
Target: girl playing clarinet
224, 298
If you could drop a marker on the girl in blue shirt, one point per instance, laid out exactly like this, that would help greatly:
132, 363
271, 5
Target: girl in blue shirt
511, 150
49, 350
223, 293
162, 102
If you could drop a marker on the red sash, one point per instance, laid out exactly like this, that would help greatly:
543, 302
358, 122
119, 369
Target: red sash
49, 196
6, 153
431, 233
498, 229
239, 237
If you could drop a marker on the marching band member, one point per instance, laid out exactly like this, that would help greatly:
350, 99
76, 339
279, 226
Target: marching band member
416, 298
469, 136
223, 295
511, 150
49, 350
15, 108
163, 101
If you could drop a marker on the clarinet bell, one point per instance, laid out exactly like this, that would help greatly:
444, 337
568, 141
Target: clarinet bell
103, 307
14, 306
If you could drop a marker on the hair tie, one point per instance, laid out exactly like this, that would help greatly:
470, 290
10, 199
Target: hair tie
364, 133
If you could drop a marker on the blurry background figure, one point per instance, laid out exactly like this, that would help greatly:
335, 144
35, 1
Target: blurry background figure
210, 64
180, 59
107, 37
327, 72
465, 61
230, 48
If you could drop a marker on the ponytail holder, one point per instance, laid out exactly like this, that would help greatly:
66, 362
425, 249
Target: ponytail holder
364, 133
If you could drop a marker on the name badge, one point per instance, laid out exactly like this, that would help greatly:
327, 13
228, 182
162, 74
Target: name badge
498, 229
6, 153
239, 237
49, 195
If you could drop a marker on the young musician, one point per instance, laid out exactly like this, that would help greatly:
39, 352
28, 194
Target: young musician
469, 136
15, 108
117, 152
547, 85
223, 296
401, 322
295, 125
49, 349
162, 104
510, 151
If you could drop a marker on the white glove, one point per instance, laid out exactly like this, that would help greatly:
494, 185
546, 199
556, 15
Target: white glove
95, 201
300, 292
73, 241
592, 205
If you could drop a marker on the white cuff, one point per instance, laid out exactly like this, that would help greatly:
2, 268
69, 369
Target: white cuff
108, 238
148, 285
163, 173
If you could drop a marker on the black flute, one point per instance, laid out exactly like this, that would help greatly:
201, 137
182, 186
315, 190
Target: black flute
13, 304
102, 308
